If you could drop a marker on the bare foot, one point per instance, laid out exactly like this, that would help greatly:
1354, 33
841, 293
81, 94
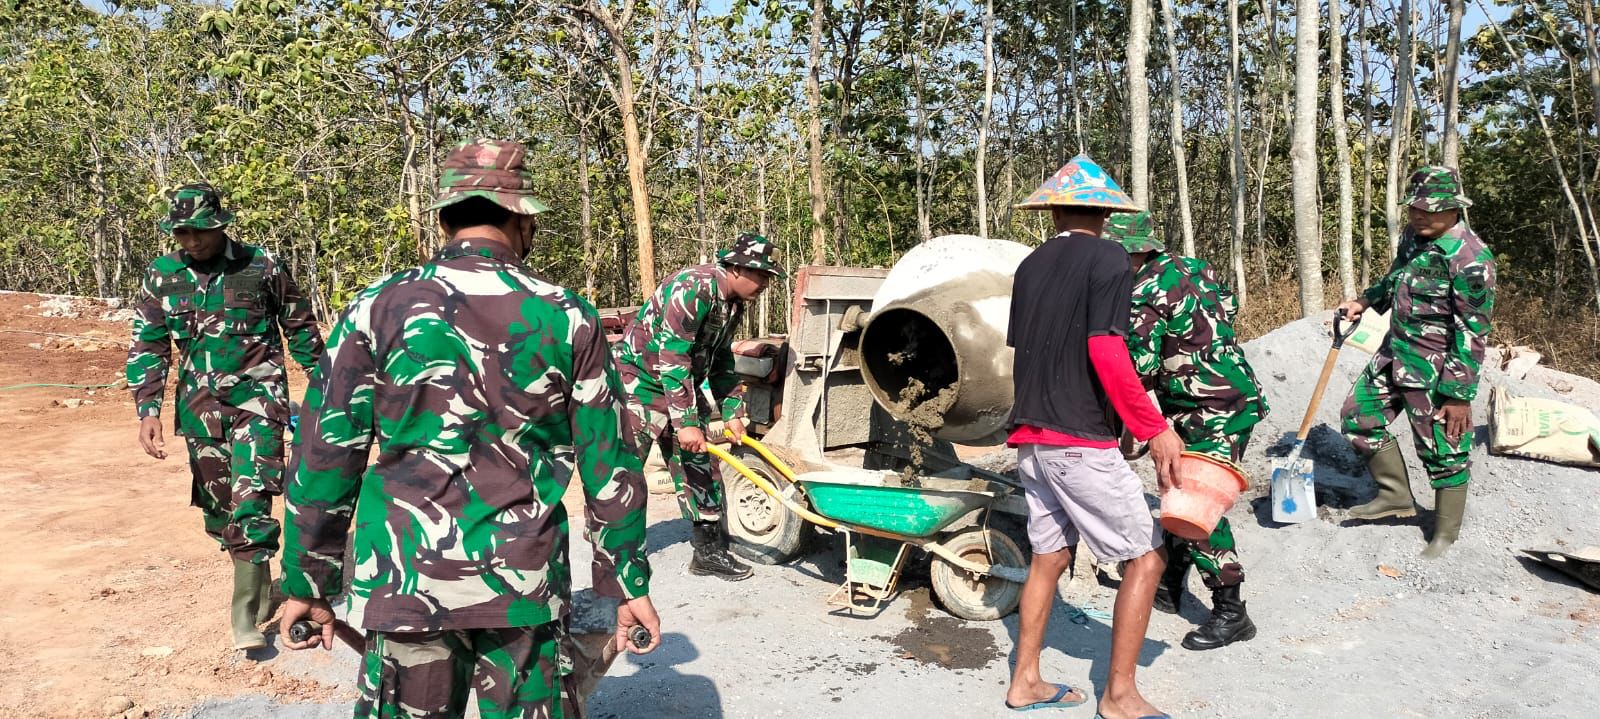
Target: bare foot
1021, 695
1131, 706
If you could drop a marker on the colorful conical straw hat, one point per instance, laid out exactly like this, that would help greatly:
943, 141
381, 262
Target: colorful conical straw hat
1079, 183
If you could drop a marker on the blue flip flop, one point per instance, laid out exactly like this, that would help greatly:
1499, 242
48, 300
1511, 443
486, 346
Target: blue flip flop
1152, 716
1055, 702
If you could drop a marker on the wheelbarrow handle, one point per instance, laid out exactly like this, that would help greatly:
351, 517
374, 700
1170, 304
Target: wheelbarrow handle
782, 467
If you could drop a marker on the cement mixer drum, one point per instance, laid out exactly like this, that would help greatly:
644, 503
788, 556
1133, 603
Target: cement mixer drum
934, 351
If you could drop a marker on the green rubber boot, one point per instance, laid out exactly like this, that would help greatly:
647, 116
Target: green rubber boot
249, 581
1450, 505
264, 607
1394, 498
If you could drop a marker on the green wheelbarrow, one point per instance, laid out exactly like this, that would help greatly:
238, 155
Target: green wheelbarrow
977, 571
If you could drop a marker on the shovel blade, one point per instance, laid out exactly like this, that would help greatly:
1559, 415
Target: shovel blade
1294, 495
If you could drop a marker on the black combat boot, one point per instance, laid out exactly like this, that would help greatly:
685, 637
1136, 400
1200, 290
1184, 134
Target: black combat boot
1169, 593
711, 556
1228, 622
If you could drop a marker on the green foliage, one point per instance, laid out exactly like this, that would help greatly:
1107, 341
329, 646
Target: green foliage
324, 121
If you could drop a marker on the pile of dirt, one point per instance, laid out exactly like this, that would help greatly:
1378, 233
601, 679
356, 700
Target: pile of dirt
1515, 503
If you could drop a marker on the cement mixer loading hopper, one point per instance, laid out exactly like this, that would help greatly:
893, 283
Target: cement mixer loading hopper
933, 351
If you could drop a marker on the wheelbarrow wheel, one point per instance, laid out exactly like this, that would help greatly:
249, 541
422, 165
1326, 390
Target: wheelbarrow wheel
978, 598
760, 528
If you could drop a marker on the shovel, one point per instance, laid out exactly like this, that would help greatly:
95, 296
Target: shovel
1294, 495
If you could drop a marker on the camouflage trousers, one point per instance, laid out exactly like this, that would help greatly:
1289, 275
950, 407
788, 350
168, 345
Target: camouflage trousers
1375, 402
1216, 556
516, 672
699, 492
235, 479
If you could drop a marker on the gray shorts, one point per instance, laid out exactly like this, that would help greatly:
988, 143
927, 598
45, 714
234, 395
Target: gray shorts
1092, 493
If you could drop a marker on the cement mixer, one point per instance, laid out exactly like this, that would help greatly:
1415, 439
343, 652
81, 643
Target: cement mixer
874, 359
933, 350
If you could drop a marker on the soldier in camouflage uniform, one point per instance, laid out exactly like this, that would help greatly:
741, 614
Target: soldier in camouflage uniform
223, 302
487, 391
681, 339
1182, 342
1441, 290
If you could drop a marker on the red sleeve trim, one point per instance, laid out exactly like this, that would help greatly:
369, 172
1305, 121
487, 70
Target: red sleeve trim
1109, 355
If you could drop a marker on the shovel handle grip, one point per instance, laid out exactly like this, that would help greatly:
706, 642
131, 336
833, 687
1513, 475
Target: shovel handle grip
1339, 336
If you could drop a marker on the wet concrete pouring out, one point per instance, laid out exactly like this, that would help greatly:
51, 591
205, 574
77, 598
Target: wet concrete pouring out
922, 418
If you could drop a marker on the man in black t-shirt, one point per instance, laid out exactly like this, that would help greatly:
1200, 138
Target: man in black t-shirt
1075, 387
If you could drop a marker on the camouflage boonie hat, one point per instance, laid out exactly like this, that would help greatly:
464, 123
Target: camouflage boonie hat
753, 251
492, 170
1436, 188
1134, 231
196, 205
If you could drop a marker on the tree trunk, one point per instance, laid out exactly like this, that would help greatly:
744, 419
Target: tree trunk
819, 237
763, 230
1179, 158
1077, 94
1139, 100
1341, 147
586, 214
699, 130
1307, 218
411, 185
633, 145
98, 254
979, 171
919, 161
1452, 87
1366, 149
1236, 130
1279, 65
1398, 127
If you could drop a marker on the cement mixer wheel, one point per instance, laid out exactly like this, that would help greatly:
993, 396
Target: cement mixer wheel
978, 598
760, 528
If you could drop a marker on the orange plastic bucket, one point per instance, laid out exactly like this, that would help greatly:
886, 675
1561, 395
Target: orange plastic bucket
1210, 487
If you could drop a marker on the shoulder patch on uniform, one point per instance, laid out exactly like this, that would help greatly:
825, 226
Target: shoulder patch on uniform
1476, 286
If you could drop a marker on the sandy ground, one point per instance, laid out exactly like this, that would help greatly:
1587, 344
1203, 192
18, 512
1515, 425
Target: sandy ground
115, 601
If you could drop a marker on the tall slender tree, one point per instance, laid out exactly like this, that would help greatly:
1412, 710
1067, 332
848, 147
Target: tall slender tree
1236, 145
623, 91
1341, 145
1399, 126
1180, 159
979, 169
819, 239
1307, 216
1451, 81
1367, 145
1139, 99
